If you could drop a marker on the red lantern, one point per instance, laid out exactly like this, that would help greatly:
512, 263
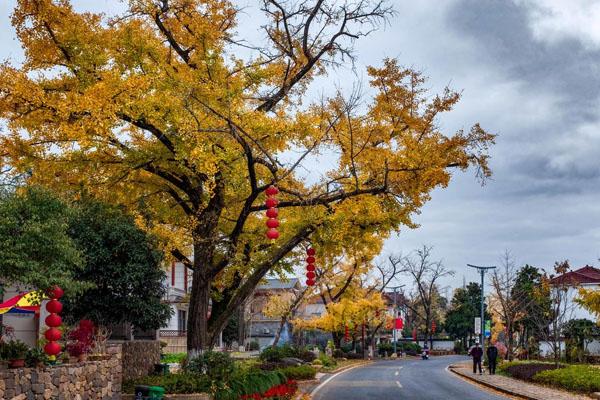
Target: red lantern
272, 234
53, 320
311, 275
310, 282
272, 223
55, 292
433, 327
271, 202
310, 260
53, 334
272, 191
311, 251
54, 306
310, 267
272, 213
52, 348
346, 333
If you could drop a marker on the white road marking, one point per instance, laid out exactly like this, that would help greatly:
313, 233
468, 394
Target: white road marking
314, 392
397, 373
399, 385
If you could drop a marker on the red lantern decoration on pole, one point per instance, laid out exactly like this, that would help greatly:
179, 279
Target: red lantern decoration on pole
433, 327
272, 213
310, 267
53, 321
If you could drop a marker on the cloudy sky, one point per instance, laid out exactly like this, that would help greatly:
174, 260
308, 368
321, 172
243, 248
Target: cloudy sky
529, 70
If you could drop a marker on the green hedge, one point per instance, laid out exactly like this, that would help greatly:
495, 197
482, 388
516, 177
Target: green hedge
577, 378
301, 372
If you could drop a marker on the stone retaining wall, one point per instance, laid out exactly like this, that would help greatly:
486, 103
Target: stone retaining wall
139, 357
87, 380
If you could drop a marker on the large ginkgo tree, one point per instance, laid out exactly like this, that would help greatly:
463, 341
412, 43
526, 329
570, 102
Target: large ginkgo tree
167, 110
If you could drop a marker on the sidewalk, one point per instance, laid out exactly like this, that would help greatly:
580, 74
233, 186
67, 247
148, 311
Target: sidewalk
514, 387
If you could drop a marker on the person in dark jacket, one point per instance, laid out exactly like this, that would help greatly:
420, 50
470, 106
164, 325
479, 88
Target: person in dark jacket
477, 354
492, 356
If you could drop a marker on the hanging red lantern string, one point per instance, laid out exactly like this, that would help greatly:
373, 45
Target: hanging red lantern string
272, 213
310, 267
53, 321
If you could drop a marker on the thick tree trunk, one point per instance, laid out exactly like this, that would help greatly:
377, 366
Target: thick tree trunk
197, 335
337, 339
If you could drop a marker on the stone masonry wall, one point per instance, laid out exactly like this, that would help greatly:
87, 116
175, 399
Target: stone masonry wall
139, 357
86, 380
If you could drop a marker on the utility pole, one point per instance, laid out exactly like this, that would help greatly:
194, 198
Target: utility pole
395, 314
482, 270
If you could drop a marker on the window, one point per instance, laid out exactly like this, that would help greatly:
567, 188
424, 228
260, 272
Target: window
181, 320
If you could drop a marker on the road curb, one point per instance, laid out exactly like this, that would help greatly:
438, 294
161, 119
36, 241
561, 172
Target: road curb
454, 370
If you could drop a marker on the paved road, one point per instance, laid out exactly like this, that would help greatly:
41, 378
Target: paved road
403, 380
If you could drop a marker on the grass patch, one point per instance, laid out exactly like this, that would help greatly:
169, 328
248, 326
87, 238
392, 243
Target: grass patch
341, 364
173, 358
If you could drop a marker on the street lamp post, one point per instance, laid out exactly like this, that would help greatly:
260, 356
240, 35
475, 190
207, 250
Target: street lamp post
395, 315
482, 270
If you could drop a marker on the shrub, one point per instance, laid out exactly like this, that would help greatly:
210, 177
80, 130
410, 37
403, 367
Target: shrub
337, 353
278, 352
81, 339
579, 378
301, 372
216, 365
327, 361
526, 371
173, 383
248, 385
354, 356
306, 355
173, 358
384, 348
317, 362
254, 346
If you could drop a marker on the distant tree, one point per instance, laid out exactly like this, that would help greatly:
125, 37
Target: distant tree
124, 265
527, 281
579, 333
509, 303
464, 307
35, 248
425, 275
551, 321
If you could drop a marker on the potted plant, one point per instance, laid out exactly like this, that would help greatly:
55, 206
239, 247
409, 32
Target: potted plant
36, 357
81, 340
15, 352
101, 335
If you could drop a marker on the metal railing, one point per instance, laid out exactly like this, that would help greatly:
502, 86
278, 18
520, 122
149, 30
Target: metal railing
172, 333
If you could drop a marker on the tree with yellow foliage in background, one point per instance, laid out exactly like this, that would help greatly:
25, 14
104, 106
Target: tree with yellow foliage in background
158, 110
590, 300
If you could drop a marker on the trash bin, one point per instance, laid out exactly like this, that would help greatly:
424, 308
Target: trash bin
149, 392
156, 393
142, 392
161, 369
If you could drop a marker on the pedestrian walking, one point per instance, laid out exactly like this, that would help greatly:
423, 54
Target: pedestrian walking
492, 357
477, 354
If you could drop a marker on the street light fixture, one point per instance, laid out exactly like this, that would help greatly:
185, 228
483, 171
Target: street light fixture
482, 270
